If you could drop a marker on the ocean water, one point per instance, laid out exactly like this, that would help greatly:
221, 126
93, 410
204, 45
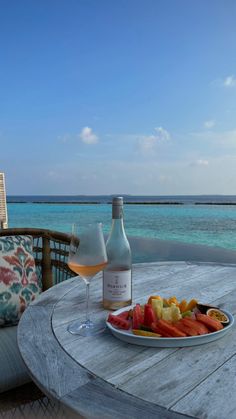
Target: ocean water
204, 220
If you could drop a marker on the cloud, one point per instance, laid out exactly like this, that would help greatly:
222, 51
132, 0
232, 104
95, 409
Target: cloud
198, 163
147, 143
229, 81
202, 162
209, 124
162, 134
162, 178
87, 136
226, 139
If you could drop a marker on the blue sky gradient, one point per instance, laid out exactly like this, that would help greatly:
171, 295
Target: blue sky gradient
118, 96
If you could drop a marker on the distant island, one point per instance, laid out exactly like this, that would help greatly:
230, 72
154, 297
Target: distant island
128, 199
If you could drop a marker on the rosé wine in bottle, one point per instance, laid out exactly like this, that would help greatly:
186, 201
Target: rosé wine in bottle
117, 276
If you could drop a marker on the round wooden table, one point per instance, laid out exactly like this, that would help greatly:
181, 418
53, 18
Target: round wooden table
103, 377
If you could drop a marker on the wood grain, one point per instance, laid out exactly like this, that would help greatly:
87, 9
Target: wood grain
105, 377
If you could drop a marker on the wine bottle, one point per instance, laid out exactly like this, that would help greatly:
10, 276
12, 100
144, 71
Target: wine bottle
117, 277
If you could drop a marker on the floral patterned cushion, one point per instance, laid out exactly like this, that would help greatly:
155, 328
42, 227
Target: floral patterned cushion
18, 280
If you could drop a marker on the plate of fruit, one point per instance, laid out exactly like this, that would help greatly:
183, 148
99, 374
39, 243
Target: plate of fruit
161, 322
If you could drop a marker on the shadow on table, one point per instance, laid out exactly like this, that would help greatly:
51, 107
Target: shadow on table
154, 250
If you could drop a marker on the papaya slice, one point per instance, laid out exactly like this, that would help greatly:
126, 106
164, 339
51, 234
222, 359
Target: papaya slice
173, 300
186, 329
191, 305
156, 328
183, 306
212, 324
170, 329
200, 328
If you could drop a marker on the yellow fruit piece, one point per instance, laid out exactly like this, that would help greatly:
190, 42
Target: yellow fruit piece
157, 306
154, 297
175, 313
165, 302
167, 314
145, 333
192, 303
173, 300
183, 306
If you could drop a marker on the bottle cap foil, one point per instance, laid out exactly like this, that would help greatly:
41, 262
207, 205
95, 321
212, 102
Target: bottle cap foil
118, 200
117, 207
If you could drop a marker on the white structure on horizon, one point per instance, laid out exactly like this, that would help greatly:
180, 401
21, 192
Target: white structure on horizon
3, 203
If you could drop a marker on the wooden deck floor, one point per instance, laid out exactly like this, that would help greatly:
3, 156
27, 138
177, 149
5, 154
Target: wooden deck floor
28, 402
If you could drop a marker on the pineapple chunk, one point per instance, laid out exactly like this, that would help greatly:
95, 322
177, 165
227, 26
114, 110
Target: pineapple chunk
157, 306
171, 313
167, 313
175, 313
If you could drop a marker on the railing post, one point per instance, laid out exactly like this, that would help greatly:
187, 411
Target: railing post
3, 224
46, 264
3, 203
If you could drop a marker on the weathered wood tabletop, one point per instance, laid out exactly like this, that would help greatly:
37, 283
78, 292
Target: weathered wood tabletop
103, 377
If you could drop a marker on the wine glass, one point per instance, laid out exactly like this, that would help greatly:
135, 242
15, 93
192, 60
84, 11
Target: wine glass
87, 257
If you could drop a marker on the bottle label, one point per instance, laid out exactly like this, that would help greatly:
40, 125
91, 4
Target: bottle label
117, 285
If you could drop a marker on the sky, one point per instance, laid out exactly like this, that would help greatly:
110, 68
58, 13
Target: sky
118, 97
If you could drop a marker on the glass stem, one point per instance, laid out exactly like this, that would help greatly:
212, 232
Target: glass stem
87, 302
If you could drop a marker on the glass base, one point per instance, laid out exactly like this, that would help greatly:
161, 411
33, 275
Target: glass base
87, 328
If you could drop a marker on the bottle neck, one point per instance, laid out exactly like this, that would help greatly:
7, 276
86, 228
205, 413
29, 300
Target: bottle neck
117, 226
117, 212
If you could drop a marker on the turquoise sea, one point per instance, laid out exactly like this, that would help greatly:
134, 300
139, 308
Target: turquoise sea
205, 220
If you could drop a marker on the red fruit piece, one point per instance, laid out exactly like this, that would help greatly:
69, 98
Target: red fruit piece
199, 327
137, 320
149, 315
118, 322
156, 328
124, 315
170, 329
212, 324
186, 329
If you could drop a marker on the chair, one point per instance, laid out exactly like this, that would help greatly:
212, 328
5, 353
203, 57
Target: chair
51, 250
3, 206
